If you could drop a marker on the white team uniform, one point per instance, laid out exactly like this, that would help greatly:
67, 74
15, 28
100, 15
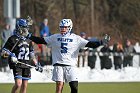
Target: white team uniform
65, 51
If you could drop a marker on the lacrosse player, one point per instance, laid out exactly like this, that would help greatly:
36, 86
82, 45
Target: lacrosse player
65, 48
19, 49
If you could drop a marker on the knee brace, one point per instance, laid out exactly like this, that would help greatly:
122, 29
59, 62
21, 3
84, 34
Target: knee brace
74, 86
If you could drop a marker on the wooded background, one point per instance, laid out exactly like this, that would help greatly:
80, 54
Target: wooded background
118, 18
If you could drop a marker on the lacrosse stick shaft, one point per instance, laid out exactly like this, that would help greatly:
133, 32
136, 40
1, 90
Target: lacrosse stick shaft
15, 44
26, 64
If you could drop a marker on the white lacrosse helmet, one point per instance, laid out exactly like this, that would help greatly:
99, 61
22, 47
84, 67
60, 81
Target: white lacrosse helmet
66, 23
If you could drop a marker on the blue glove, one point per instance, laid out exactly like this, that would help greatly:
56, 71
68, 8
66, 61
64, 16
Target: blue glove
38, 67
106, 39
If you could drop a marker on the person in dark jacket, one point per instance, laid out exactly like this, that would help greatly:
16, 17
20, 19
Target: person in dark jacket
91, 58
91, 55
118, 50
105, 60
5, 34
83, 53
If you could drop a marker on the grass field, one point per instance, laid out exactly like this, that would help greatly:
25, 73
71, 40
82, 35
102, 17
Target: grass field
133, 87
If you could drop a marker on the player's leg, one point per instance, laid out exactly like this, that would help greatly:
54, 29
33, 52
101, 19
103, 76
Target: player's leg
71, 75
59, 86
124, 63
58, 78
17, 85
26, 75
18, 79
79, 59
24, 86
83, 60
130, 62
74, 86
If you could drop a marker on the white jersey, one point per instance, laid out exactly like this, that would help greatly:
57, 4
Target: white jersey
65, 49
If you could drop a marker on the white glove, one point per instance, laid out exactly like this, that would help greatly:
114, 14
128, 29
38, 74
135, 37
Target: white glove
106, 39
14, 59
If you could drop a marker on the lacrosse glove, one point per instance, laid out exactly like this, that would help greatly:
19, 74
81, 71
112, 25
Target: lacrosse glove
38, 67
106, 39
14, 58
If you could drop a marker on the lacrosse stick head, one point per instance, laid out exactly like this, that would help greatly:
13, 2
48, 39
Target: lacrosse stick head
29, 20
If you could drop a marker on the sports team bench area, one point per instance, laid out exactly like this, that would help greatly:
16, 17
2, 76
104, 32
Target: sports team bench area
119, 87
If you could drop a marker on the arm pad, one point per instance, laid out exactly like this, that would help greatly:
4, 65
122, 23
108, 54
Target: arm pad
92, 44
38, 40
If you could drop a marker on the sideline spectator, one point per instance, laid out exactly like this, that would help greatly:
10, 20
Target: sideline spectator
83, 53
44, 29
105, 60
128, 49
5, 34
91, 55
117, 50
45, 32
91, 58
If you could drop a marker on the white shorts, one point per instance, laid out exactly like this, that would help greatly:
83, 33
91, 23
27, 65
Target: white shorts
65, 73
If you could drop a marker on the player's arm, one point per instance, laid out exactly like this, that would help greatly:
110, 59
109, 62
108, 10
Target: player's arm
7, 53
95, 44
38, 40
38, 67
6, 50
32, 55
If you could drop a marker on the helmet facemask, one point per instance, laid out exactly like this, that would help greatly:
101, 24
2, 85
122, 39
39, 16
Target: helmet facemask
65, 26
23, 31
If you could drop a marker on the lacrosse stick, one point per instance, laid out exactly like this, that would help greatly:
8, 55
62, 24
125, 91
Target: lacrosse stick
5, 55
30, 65
30, 21
26, 64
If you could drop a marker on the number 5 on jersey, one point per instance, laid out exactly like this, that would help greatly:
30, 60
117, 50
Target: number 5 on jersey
64, 47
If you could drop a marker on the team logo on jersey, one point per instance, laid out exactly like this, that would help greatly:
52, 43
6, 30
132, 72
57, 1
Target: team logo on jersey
65, 39
23, 43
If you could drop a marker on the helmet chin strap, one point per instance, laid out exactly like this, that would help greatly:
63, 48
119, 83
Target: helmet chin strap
63, 34
67, 33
